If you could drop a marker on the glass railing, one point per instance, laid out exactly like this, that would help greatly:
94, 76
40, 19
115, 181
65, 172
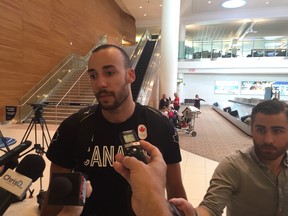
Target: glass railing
139, 49
40, 92
236, 49
150, 75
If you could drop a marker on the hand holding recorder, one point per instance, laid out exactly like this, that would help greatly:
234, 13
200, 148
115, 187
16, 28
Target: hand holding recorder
147, 181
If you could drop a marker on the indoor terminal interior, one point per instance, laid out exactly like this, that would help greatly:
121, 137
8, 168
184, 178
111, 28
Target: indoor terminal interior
233, 58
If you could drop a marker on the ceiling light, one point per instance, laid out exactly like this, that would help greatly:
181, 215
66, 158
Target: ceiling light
233, 3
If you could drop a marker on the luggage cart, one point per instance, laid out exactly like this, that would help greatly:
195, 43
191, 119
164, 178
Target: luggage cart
187, 120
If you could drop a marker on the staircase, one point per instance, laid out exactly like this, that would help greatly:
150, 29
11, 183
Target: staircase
60, 105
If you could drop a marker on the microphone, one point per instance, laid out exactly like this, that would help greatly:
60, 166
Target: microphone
13, 154
67, 189
14, 185
10, 165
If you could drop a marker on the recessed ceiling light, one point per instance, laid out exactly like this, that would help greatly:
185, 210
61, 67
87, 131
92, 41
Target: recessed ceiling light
233, 3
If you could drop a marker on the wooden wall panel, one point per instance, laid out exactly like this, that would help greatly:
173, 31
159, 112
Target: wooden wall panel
36, 35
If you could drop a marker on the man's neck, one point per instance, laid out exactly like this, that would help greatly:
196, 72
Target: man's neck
274, 165
120, 114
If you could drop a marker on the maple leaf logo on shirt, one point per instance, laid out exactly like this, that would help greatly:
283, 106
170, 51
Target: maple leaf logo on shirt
142, 131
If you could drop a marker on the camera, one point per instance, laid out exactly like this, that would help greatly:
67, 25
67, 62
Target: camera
131, 145
38, 110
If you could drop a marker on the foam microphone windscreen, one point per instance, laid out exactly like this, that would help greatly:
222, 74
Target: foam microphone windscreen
32, 166
61, 187
14, 185
67, 189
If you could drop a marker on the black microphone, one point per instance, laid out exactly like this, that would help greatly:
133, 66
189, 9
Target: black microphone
13, 154
14, 185
67, 189
10, 165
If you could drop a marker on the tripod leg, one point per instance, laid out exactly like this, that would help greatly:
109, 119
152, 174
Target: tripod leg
44, 138
47, 130
28, 131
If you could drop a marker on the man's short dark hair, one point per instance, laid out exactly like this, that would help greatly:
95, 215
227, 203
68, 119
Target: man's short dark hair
269, 107
127, 60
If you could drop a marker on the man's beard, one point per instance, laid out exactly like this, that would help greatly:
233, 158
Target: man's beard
119, 98
268, 151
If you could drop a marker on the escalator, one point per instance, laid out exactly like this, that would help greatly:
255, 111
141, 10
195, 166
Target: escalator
141, 68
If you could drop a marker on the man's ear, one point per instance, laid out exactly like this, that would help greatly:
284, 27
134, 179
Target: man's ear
131, 75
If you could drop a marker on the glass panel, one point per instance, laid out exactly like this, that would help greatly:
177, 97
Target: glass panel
226, 49
197, 49
244, 48
247, 48
259, 48
188, 49
206, 49
216, 49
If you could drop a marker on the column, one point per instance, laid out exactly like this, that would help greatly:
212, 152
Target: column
169, 47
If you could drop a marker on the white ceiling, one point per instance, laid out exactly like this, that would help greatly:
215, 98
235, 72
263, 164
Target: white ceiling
209, 21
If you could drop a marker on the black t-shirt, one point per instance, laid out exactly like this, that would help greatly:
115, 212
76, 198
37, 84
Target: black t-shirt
87, 142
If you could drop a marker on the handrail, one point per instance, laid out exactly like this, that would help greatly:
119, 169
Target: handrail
68, 92
102, 41
50, 78
74, 84
139, 49
151, 74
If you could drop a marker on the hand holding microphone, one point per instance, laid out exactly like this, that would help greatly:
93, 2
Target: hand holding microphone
76, 210
67, 189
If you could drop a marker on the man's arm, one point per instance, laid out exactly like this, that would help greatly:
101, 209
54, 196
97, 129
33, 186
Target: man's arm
174, 184
48, 210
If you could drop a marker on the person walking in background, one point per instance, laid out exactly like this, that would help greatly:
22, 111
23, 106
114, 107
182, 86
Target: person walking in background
197, 101
176, 102
164, 102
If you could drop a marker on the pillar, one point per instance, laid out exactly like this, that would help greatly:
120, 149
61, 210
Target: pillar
169, 47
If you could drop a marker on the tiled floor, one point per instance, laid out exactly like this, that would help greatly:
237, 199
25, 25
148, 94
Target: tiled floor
196, 171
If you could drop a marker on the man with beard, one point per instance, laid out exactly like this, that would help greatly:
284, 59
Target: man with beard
255, 181
88, 141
